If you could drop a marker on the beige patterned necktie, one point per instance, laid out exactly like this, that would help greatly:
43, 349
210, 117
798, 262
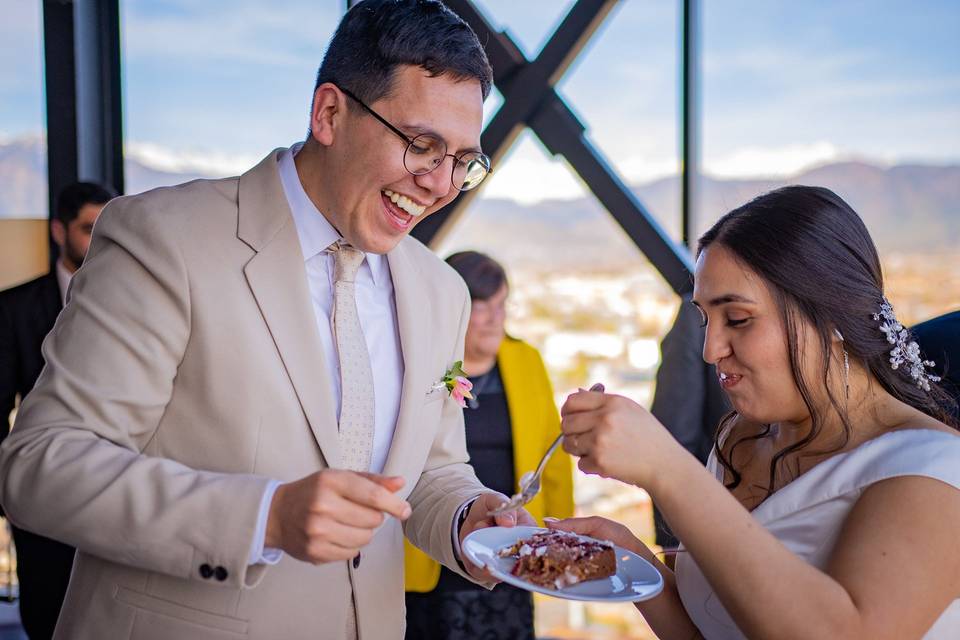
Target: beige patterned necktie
356, 376
356, 379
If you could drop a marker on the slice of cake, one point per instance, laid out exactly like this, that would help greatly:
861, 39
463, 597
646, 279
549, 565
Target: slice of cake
557, 559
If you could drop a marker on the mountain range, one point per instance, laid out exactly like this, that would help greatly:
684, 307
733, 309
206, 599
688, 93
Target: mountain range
908, 208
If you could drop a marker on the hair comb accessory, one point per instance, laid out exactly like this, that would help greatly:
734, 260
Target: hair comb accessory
905, 351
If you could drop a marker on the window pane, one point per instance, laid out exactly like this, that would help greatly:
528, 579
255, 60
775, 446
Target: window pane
211, 87
24, 244
862, 99
624, 87
530, 24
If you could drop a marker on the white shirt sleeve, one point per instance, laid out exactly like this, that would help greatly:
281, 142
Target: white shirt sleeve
259, 554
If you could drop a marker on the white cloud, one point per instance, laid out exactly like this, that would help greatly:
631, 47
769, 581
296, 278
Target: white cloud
209, 163
639, 169
527, 175
768, 162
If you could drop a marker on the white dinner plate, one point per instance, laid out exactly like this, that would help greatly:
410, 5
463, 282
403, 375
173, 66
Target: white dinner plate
636, 579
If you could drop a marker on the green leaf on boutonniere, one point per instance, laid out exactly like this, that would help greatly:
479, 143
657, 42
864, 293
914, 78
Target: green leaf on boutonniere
455, 371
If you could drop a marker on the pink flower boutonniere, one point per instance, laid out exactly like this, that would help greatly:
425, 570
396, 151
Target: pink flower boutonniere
456, 383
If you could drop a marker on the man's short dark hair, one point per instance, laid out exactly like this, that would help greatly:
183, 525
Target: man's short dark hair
74, 197
377, 36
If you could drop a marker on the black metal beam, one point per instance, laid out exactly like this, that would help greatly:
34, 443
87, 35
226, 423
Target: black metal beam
690, 118
530, 85
83, 94
61, 100
99, 107
504, 55
522, 85
563, 134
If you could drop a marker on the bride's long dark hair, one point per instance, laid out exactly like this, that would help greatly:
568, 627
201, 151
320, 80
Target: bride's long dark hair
819, 262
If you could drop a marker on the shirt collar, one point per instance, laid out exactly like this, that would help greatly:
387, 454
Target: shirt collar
63, 280
313, 229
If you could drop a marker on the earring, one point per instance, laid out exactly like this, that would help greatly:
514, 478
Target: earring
846, 365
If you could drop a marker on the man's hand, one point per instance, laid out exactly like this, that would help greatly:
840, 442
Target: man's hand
477, 518
330, 515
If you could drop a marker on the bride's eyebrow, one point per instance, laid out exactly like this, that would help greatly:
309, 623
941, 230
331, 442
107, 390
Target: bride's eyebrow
725, 299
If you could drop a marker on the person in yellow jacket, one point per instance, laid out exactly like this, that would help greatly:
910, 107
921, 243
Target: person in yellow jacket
510, 423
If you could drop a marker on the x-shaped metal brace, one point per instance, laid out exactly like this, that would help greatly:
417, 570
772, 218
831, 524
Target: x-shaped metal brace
530, 100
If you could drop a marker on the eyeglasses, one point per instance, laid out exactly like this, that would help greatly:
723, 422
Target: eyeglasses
426, 152
488, 308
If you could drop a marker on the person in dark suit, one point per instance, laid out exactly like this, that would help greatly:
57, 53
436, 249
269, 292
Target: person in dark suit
688, 399
939, 340
27, 313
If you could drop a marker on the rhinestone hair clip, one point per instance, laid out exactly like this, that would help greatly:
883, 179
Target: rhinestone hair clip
905, 351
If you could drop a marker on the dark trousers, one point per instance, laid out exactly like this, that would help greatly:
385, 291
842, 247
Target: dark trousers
506, 613
43, 569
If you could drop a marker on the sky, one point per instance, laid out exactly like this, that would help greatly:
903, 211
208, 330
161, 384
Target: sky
215, 85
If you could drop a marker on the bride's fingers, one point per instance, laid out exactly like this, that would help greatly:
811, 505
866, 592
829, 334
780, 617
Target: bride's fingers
579, 422
588, 466
583, 401
583, 526
578, 444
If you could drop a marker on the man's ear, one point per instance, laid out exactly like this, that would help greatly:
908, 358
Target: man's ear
326, 115
59, 233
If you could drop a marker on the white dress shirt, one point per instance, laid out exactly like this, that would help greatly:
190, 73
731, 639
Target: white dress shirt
63, 280
376, 305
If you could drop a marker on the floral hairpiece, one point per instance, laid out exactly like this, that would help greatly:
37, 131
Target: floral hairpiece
905, 351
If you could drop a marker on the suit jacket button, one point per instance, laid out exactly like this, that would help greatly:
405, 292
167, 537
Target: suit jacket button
206, 571
356, 561
220, 574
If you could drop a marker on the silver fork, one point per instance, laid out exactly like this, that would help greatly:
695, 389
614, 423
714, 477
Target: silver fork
530, 482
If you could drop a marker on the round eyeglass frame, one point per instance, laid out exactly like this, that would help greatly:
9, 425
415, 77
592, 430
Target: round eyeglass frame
482, 160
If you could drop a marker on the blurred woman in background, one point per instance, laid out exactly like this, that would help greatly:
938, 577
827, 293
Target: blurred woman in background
510, 423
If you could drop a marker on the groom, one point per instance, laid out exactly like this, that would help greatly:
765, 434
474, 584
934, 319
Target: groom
239, 416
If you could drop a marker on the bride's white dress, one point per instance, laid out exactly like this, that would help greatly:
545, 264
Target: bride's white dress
808, 513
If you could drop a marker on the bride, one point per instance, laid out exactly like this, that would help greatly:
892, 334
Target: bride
830, 506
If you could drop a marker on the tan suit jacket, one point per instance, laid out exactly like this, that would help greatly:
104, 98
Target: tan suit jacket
185, 371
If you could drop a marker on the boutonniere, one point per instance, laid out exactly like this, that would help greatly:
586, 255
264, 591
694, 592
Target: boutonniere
456, 383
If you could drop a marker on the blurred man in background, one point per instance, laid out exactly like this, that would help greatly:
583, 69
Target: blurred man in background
27, 313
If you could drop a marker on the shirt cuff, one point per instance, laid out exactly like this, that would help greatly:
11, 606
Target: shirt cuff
258, 553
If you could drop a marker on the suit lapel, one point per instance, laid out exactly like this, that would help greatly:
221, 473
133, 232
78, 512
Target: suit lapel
277, 279
414, 317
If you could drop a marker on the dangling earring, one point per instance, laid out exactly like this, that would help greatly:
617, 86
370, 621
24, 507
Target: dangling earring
846, 366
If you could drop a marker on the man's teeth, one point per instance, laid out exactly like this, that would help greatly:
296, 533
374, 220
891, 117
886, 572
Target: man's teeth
404, 203
724, 376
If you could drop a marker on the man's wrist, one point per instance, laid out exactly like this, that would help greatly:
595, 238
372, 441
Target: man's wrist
459, 520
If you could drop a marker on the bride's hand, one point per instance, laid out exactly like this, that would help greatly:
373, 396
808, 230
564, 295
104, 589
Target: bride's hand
616, 438
601, 529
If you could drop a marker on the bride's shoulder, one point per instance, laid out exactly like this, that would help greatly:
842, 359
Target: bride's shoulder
931, 450
916, 425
